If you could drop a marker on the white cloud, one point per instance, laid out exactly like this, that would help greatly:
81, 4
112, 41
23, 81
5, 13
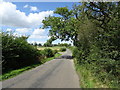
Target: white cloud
38, 34
18, 34
36, 42
23, 30
9, 29
39, 37
38, 31
12, 17
26, 6
33, 8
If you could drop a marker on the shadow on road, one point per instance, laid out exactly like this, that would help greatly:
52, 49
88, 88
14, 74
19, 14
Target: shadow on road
65, 57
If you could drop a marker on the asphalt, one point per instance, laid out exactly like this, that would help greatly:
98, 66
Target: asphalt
57, 73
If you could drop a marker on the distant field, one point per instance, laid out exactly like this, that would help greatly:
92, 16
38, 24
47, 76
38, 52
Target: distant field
53, 48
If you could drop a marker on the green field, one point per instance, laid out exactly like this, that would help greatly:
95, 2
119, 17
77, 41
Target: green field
53, 48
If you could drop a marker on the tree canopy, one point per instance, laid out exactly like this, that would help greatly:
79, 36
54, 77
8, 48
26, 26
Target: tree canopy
94, 28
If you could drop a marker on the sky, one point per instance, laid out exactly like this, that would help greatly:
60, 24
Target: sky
25, 18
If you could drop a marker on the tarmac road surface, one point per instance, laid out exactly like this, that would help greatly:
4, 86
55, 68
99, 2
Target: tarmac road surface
57, 73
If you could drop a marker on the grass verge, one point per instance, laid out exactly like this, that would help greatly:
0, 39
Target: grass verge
87, 79
48, 59
90, 78
14, 73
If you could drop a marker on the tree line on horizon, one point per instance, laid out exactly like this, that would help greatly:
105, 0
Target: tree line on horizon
47, 44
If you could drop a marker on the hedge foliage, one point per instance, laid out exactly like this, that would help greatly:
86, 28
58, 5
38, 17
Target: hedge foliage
98, 46
62, 49
17, 52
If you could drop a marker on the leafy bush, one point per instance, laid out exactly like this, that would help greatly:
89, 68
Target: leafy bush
48, 52
104, 68
55, 51
62, 49
17, 52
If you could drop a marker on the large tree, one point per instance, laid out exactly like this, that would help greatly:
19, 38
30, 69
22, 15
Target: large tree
64, 27
78, 23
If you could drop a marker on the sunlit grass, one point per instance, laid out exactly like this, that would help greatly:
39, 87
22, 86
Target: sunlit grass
87, 79
48, 59
53, 48
13, 73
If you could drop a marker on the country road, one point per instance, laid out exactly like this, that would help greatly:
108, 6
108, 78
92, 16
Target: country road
57, 73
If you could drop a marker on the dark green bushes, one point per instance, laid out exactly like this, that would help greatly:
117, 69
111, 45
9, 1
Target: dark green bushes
55, 51
101, 65
48, 52
17, 52
98, 47
62, 49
